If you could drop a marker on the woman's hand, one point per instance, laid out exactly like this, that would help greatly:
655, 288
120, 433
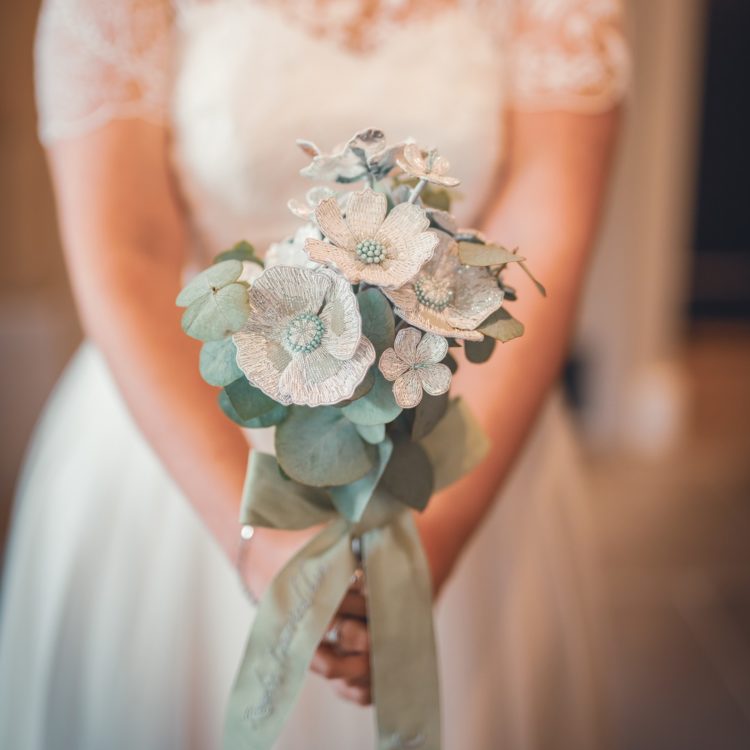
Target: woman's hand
343, 657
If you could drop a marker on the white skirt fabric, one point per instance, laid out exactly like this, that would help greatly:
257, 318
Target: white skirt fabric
122, 624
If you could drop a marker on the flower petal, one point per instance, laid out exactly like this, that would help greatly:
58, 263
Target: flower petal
424, 318
318, 378
333, 255
332, 224
404, 298
436, 379
282, 291
262, 361
365, 212
407, 340
391, 365
404, 221
432, 348
407, 390
342, 320
410, 257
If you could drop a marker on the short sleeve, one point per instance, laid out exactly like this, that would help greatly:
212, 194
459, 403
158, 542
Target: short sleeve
568, 54
99, 60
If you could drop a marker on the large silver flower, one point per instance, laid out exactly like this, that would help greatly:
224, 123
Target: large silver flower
303, 343
446, 297
427, 166
415, 365
369, 246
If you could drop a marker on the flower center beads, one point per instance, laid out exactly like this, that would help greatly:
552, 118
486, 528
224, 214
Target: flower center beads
304, 333
370, 251
433, 293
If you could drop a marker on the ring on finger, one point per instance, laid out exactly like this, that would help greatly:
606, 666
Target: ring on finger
332, 636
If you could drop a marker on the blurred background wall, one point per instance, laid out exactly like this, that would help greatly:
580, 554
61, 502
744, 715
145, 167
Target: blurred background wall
660, 369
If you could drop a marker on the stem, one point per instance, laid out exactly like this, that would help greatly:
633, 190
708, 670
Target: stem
418, 188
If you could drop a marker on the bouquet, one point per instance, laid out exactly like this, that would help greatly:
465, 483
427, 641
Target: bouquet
341, 339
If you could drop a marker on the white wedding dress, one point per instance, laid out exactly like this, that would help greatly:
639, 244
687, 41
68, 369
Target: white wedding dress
122, 622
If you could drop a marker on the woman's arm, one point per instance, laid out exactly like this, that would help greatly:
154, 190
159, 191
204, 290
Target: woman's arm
549, 208
125, 241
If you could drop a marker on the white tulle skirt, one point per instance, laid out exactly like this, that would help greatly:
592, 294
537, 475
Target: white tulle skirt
122, 623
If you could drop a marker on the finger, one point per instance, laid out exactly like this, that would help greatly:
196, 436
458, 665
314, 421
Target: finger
353, 605
353, 636
350, 668
359, 694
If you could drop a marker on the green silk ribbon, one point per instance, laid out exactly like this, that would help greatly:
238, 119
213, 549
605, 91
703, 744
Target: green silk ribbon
303, 598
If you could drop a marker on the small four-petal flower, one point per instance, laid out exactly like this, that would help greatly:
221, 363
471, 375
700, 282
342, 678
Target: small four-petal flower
414, 364
429, 166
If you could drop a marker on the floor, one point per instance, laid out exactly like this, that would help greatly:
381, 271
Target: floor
675, 541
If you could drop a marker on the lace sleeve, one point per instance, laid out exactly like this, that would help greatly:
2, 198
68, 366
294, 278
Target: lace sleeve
99, 60
568, 54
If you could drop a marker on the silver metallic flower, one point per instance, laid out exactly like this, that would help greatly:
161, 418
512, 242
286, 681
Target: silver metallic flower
447, 297
364, 154
303, 342
290, 252
369, 246
415, 365
427, 166
306, 210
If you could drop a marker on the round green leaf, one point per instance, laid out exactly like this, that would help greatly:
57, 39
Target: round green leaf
376, 407
273, 416
378, 323
241, 251
217, 314
218, 362
374, 433
319, 447
428, 412
501, 325
409, 474
248, 401
479, 351
209, 281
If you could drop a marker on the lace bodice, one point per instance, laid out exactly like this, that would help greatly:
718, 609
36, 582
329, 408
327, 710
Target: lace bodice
237, 81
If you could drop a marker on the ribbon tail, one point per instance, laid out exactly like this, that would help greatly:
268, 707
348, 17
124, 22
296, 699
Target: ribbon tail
404, 662
291, 620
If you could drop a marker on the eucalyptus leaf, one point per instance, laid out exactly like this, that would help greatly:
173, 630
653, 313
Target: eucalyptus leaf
272, 417
248, 401
218, 313
409, 476
376, 407
378, 323
365, 386
209, 281
351, 499
241, 251
320, 447
474, 254
479, 351
218, 362
372, 433
428, 412
450, 360
501, 325
538, 284
435, 197
456, 445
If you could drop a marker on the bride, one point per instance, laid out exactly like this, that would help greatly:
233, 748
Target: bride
170, 130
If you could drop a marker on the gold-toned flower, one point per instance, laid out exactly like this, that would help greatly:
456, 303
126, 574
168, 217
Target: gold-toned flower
446, 297
303, 342
414, 364
366, 245
428, 166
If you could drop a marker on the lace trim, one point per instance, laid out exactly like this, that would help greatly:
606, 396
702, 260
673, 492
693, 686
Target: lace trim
569, 54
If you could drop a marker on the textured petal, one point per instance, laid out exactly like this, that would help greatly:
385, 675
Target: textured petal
283, 291
408, 390
365, 212
407, 340
404, 221
342, 320
261, 361
404, 298
318, 379
436, 379
344, 260
428, 320
432, 348
391, 365
476, 297
410, 256
332, 224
